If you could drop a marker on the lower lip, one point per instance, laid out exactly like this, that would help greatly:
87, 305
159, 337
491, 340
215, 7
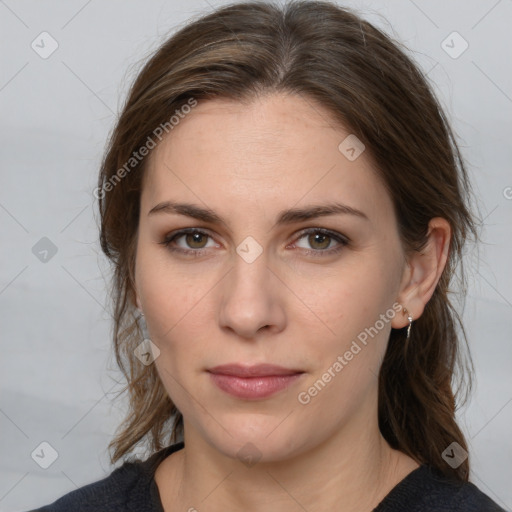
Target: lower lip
253, 387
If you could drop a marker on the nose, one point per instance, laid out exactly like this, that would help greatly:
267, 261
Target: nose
252, 299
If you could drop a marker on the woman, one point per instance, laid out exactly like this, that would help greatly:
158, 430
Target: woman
285, 206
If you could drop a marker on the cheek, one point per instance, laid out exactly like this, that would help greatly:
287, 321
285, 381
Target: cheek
351, 305
177, 327
346, 299
177, 321
170, 293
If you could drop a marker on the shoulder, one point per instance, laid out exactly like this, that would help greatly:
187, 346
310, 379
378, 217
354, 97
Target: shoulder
110, 492
427, 489
128, 487
454, 496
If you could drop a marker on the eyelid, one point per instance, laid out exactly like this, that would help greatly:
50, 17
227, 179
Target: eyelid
325, 231
341, 239
171, 237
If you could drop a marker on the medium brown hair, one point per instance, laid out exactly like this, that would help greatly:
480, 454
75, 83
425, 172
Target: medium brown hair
332, 57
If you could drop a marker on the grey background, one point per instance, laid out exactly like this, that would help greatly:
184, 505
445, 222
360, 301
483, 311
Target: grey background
57, 376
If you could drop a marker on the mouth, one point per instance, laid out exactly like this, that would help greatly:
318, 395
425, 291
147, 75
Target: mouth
253, 382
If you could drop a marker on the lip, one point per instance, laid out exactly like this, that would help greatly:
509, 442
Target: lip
253, 382
258, 370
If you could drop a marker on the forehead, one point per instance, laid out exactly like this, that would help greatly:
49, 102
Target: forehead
275, 151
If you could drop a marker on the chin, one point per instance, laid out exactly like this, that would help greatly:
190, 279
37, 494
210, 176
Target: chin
257, 438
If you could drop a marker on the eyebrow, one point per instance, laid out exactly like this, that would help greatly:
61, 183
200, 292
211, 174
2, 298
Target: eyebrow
284, 217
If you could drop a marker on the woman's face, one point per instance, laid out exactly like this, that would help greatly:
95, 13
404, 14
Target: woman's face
314, 295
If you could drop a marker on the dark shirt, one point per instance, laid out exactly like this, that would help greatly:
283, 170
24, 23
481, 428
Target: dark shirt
132, 488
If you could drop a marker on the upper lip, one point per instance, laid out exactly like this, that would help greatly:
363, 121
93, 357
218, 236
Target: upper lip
259, 370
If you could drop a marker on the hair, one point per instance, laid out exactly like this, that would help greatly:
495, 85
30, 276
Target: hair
330, 56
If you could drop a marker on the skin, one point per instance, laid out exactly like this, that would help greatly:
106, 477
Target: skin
287, 307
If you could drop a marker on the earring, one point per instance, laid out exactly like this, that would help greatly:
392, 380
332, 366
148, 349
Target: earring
409, 318
143, 326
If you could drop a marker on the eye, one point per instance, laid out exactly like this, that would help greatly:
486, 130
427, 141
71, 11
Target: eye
321, 241
195, 239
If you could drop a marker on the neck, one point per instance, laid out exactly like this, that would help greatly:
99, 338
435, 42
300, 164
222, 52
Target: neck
352, 471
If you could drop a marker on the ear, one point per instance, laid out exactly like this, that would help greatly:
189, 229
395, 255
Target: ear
423, 271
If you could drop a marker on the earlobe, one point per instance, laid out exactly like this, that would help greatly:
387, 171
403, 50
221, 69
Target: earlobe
424, 269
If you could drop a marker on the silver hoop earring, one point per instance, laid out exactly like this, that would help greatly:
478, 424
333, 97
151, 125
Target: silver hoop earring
409, 318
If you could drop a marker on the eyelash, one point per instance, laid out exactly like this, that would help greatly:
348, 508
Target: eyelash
343, 241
